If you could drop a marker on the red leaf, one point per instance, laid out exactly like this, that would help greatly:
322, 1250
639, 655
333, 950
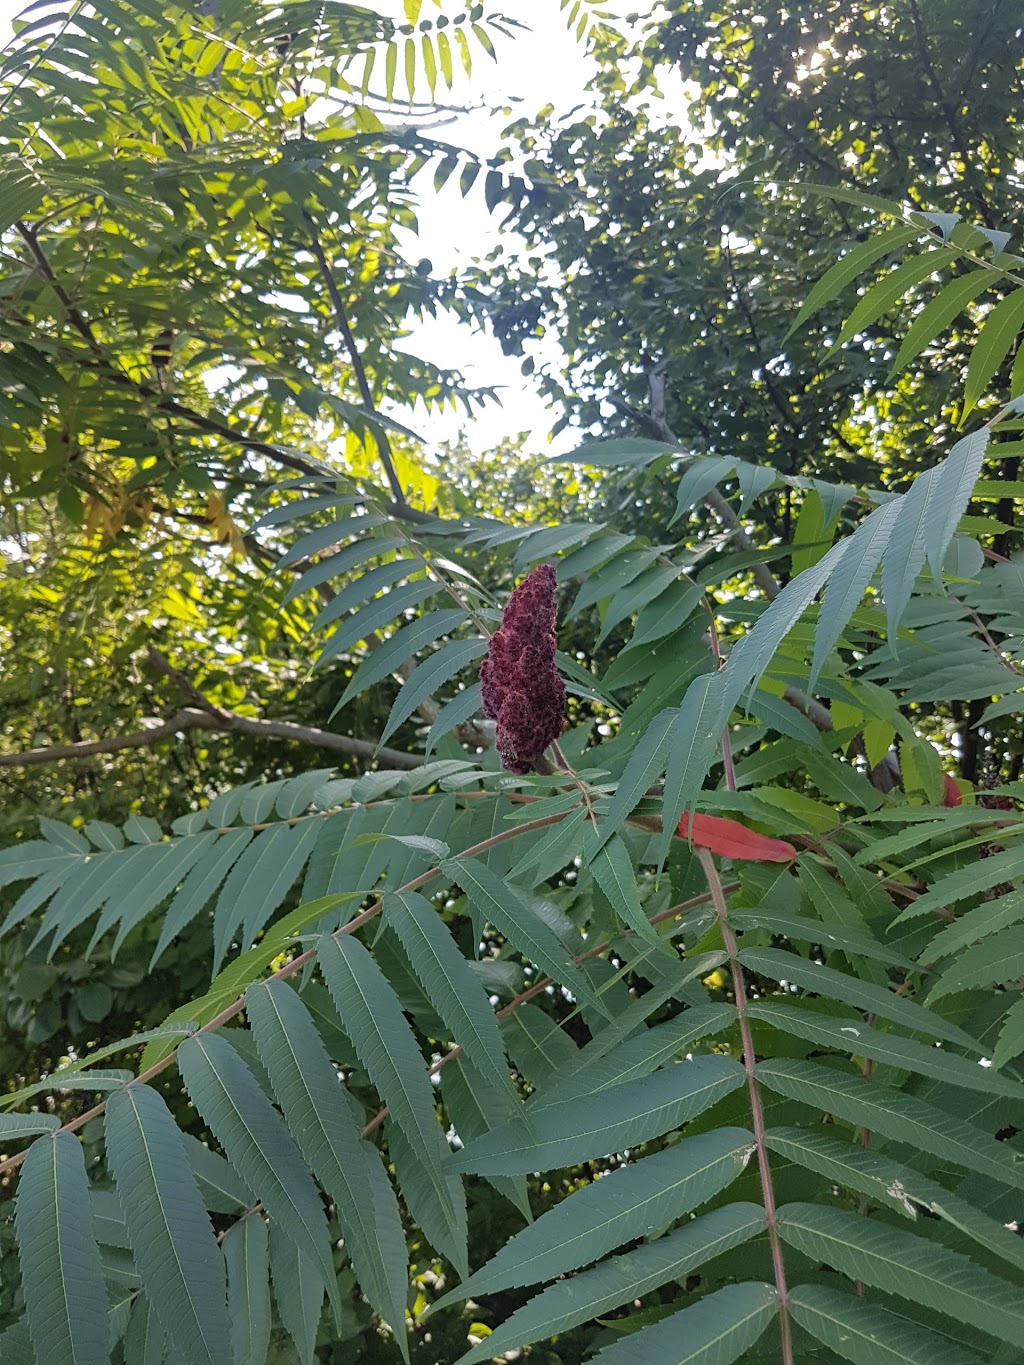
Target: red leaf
730, 839
952, 795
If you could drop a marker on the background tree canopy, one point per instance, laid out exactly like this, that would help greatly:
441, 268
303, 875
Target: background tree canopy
326, 1037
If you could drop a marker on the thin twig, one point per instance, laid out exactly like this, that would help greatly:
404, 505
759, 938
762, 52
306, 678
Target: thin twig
160, 661
358, 368
584, 790
716, 649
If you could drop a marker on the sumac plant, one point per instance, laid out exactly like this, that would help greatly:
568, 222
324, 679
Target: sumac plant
660, 1000
728, 1026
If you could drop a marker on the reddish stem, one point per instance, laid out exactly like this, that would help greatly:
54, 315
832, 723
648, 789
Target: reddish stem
756, 1107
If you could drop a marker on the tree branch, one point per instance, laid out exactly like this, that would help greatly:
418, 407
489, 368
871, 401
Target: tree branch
754, 1091
163, 403
359, 369
190, 719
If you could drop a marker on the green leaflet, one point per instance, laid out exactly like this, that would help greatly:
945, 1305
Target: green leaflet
200, 884
295, 508
846, 587
866, 1334
609, 1121
997, 333
665, 614
62, 1079
1011, 1035
428, 1203
337, 564
474, 1107
646, 764
246, 1255
145, 1341
14, 1126
137, 890
547, 541
714, 1331
903, 1264
462, 707
700, 477
371, 1015
219, 1185
862, 995
405, 643
631, 450
108, 1218
553, 848
539, 1048
605, 1062
236, 976
168, 1227
709, 700
580, 1298
298, 1293
696, 734
310, 1094
998, 960
504, 907
849, 266
925, 829
381, 612
60, 1261
635, 596
889, 1182
624, 1204
454, 990
365, 588
612, 869
892, 1114
936, 316
614, 575
428, 676
967, 881
258, 1146
324, 537
954, 481
928, 514
829, 935
35, 858
80, 896
891, 287
259, 882
861, 1040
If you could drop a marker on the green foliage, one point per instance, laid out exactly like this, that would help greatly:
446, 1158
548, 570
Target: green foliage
462, 1052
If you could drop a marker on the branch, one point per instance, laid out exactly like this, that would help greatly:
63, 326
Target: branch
754, 1091
189, 719
164, 403
163, 665
359, 369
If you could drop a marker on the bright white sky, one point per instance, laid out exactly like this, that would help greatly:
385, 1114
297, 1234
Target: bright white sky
545, 65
